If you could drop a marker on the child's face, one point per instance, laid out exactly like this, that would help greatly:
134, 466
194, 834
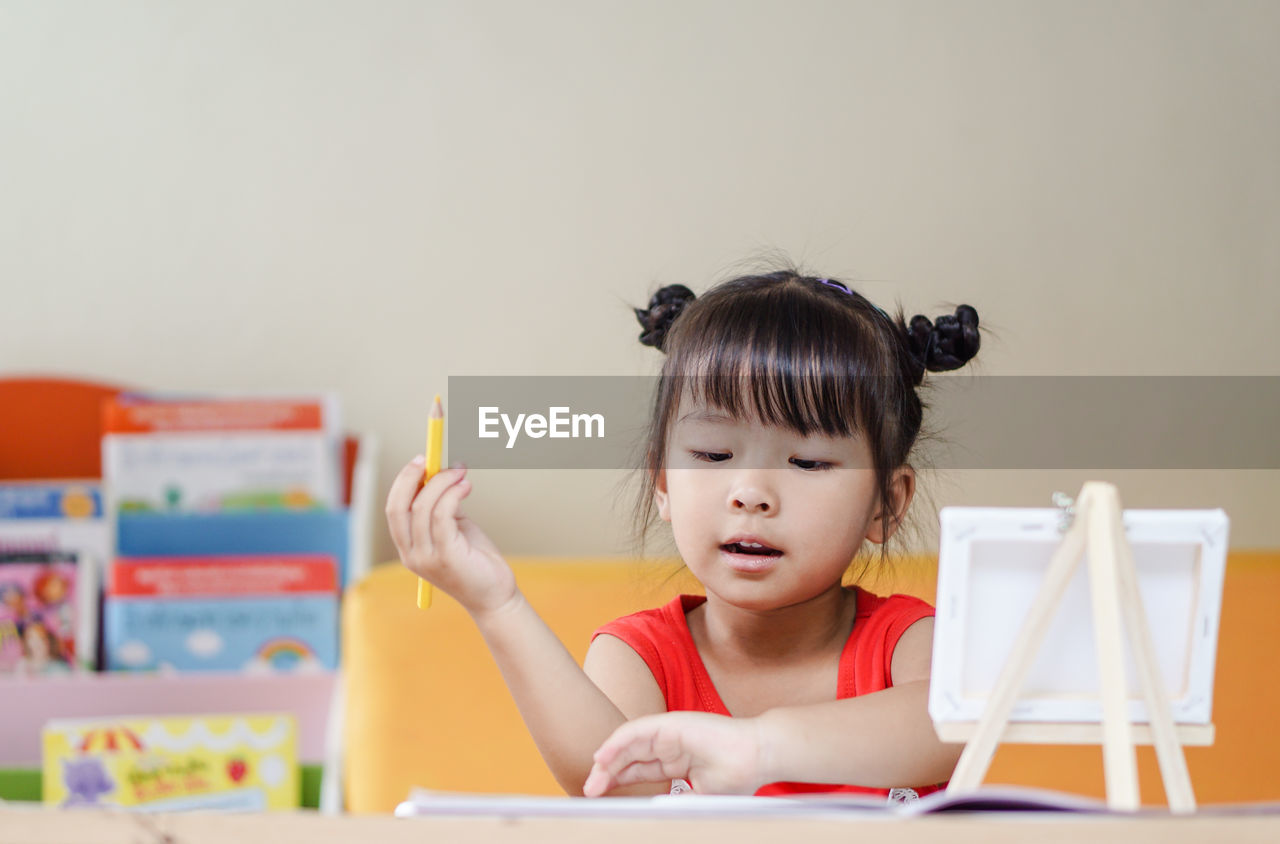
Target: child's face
731, 481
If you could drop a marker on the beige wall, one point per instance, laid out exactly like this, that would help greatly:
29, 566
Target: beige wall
370, 197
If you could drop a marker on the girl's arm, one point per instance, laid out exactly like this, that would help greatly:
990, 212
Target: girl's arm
880, 740
567, 714
626, 680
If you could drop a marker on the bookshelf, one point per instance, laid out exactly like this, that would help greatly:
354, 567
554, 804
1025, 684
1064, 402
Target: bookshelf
52, 430
31, 701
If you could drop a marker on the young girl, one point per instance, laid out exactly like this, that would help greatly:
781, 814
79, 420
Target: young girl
779, 445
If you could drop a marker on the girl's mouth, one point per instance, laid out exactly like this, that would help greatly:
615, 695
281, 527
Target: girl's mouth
750, 558
753, 549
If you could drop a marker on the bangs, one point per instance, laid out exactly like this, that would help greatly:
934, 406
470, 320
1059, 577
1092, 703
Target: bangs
805, 403
784, 357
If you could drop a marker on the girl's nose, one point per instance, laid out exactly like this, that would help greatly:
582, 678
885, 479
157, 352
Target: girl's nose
751, 498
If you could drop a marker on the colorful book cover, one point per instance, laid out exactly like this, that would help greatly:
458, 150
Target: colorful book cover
219, 455
262, 614
47, 603
50, 500
55, 516
231, 762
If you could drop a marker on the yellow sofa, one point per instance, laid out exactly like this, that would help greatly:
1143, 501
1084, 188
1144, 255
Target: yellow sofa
425, 705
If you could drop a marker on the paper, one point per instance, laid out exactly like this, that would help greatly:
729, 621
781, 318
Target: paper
423, 802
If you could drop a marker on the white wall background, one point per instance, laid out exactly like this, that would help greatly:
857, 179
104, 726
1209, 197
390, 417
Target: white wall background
370, 197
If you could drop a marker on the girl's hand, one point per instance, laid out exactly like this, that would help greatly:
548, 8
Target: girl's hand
716, 754
446, 548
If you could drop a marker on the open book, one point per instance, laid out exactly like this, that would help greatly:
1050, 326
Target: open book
423, 802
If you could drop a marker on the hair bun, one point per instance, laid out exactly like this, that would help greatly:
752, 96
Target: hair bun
663, 309
947, 344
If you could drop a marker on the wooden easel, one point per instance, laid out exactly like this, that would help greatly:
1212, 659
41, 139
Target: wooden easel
1097, 525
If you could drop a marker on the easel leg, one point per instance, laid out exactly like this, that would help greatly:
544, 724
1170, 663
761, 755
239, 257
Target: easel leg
1118, 758
976, 758
1173, 765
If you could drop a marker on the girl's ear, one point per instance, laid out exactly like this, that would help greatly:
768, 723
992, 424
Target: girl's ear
660, 495
901, 490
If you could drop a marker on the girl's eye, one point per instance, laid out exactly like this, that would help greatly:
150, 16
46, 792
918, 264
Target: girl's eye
810, 465
711, 456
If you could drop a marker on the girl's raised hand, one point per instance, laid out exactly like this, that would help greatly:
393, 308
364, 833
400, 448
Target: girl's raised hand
715, 753
439, 544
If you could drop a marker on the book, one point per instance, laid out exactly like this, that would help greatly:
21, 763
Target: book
423, 802
230, 762
55, 516
62, 518
236, 533
214, 455
254, 613
48, 602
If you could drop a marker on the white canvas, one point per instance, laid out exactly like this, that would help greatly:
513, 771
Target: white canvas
990, 567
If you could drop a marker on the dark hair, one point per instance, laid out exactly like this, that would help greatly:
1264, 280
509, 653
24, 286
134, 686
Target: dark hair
805, 353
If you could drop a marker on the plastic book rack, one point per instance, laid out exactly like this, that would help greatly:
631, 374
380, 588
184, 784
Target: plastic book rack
1117, 607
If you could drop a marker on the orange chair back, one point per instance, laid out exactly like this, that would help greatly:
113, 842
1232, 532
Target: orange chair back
427, 707
51, 428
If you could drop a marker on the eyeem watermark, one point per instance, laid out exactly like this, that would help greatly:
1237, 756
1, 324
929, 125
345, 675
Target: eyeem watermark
975, 422
560, 423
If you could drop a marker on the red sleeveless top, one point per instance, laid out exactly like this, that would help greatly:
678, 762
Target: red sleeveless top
662, 639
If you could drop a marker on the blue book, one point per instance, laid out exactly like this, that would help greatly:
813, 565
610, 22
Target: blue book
190, 534
264, 613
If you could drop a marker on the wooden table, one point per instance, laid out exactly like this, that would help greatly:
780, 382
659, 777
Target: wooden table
38, 825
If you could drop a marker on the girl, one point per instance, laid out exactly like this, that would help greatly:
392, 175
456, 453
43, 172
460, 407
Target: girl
779, 445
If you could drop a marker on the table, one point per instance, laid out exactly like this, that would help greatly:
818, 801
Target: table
39, 825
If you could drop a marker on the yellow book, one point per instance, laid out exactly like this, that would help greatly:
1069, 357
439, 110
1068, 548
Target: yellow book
231, 762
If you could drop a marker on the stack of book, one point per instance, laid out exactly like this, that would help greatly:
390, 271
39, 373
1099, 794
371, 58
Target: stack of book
230, 533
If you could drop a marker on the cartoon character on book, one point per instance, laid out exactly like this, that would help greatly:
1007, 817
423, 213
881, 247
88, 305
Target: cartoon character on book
14, 615
86, 780
37, 624
10, 636
53, 590
14, 599
42, 651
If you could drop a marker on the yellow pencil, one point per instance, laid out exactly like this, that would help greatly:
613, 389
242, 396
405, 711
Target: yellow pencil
435, 448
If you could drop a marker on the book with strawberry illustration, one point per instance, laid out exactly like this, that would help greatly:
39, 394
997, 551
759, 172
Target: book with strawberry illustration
231, 762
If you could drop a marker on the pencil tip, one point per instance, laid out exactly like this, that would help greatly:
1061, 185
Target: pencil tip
437, 409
